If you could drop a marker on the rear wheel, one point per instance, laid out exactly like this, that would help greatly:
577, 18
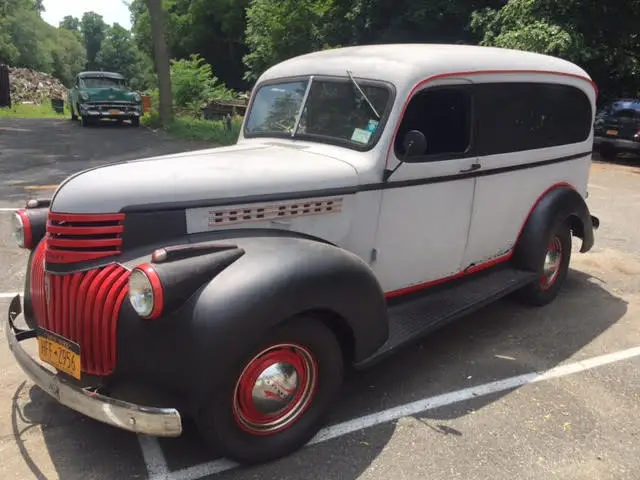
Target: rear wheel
553, 267
275, 401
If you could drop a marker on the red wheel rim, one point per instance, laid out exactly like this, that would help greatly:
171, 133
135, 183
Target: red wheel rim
552, 263
275, 389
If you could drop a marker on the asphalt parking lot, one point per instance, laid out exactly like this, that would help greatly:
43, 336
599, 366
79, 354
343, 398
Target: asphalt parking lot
506, 393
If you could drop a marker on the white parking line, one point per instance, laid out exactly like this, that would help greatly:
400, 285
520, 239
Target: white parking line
8, 294
8, 209
155, 458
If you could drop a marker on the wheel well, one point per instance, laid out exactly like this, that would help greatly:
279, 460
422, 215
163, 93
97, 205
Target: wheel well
576, 226
340, 328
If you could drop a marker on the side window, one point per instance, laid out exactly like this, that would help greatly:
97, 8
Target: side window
526, 116
443, 115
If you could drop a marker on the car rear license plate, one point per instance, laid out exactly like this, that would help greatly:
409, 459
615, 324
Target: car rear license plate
59, 352
613, 133
114, 112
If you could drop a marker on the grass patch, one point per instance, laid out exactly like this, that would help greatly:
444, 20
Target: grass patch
21, 110
189, 128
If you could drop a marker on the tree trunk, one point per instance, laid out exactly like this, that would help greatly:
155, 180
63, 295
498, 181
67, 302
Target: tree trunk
161, 59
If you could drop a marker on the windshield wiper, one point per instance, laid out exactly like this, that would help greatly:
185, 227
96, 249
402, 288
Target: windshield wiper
353, 80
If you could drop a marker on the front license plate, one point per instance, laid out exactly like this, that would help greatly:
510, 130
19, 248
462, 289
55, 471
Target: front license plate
613, 133
59, 352
114, 112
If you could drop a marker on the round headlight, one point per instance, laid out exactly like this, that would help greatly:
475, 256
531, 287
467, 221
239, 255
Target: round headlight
17, 229
84, 95
141, 293
138, 97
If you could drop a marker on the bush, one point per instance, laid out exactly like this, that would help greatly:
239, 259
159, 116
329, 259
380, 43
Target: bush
151, 119
210, 131
194, 84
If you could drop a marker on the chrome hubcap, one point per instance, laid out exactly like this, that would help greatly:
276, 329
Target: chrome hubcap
552, 261
275, 389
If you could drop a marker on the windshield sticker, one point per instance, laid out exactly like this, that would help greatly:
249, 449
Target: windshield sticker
360, 136
372, 126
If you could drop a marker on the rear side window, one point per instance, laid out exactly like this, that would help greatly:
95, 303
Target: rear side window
513, 117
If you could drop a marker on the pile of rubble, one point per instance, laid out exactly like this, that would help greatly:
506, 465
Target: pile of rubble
28, 86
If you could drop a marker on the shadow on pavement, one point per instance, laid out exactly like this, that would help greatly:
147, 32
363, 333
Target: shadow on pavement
503, 340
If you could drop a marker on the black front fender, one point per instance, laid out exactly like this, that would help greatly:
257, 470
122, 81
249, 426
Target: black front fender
561, 204
276, 279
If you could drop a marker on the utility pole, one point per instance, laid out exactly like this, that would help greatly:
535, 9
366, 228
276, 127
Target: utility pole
161, 59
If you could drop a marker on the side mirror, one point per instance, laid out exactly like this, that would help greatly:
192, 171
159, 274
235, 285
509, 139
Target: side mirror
414, 143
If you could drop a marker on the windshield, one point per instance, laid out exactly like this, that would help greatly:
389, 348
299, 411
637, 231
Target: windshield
102, 82
334, 110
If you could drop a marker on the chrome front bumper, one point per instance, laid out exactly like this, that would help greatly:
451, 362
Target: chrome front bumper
159, 422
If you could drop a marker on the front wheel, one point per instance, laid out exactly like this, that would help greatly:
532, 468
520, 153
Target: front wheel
275, 401
135, 121
553, 267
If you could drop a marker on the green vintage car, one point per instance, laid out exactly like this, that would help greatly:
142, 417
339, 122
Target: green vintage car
100, 95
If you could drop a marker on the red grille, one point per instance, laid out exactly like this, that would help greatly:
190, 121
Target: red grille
73, 237
82, 307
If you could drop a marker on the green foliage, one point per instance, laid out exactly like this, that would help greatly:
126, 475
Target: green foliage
600, 37
209, 131
281, 29
194, 84
27, 41
43, 110
68, 56
213, 29
119, 54
190, 128
94, 31
151, 119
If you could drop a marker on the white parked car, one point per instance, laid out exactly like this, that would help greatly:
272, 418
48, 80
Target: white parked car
375, 193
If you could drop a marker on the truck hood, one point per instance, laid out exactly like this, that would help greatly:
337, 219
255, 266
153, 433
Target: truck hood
110, 94
205, 177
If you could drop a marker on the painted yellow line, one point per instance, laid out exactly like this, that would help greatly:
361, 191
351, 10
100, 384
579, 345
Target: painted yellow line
41, 187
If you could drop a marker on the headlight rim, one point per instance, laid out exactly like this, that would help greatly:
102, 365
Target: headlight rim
157, 290
27, 231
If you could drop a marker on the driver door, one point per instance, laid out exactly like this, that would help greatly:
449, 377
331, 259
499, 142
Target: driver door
428, 202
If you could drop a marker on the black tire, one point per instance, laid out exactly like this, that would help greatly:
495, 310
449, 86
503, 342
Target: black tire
135, 121
607, 152
84, 121
543, 291
222, 422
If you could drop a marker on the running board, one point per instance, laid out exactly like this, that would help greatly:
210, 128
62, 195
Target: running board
410, 321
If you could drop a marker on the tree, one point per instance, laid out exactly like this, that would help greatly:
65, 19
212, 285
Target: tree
601, 38
38, 6
70, 23
119, 54
94, 31
161, 59
281, 29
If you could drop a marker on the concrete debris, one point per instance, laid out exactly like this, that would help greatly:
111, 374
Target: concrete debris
29, 86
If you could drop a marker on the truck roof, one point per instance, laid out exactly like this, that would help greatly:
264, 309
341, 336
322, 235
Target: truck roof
406, 64
101, 74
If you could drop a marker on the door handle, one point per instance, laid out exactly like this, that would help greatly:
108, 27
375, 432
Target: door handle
473, 167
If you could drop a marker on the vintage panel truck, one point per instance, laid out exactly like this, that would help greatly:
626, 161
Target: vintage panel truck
374, 194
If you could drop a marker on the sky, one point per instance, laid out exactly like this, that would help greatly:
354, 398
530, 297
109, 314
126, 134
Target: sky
111, 10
